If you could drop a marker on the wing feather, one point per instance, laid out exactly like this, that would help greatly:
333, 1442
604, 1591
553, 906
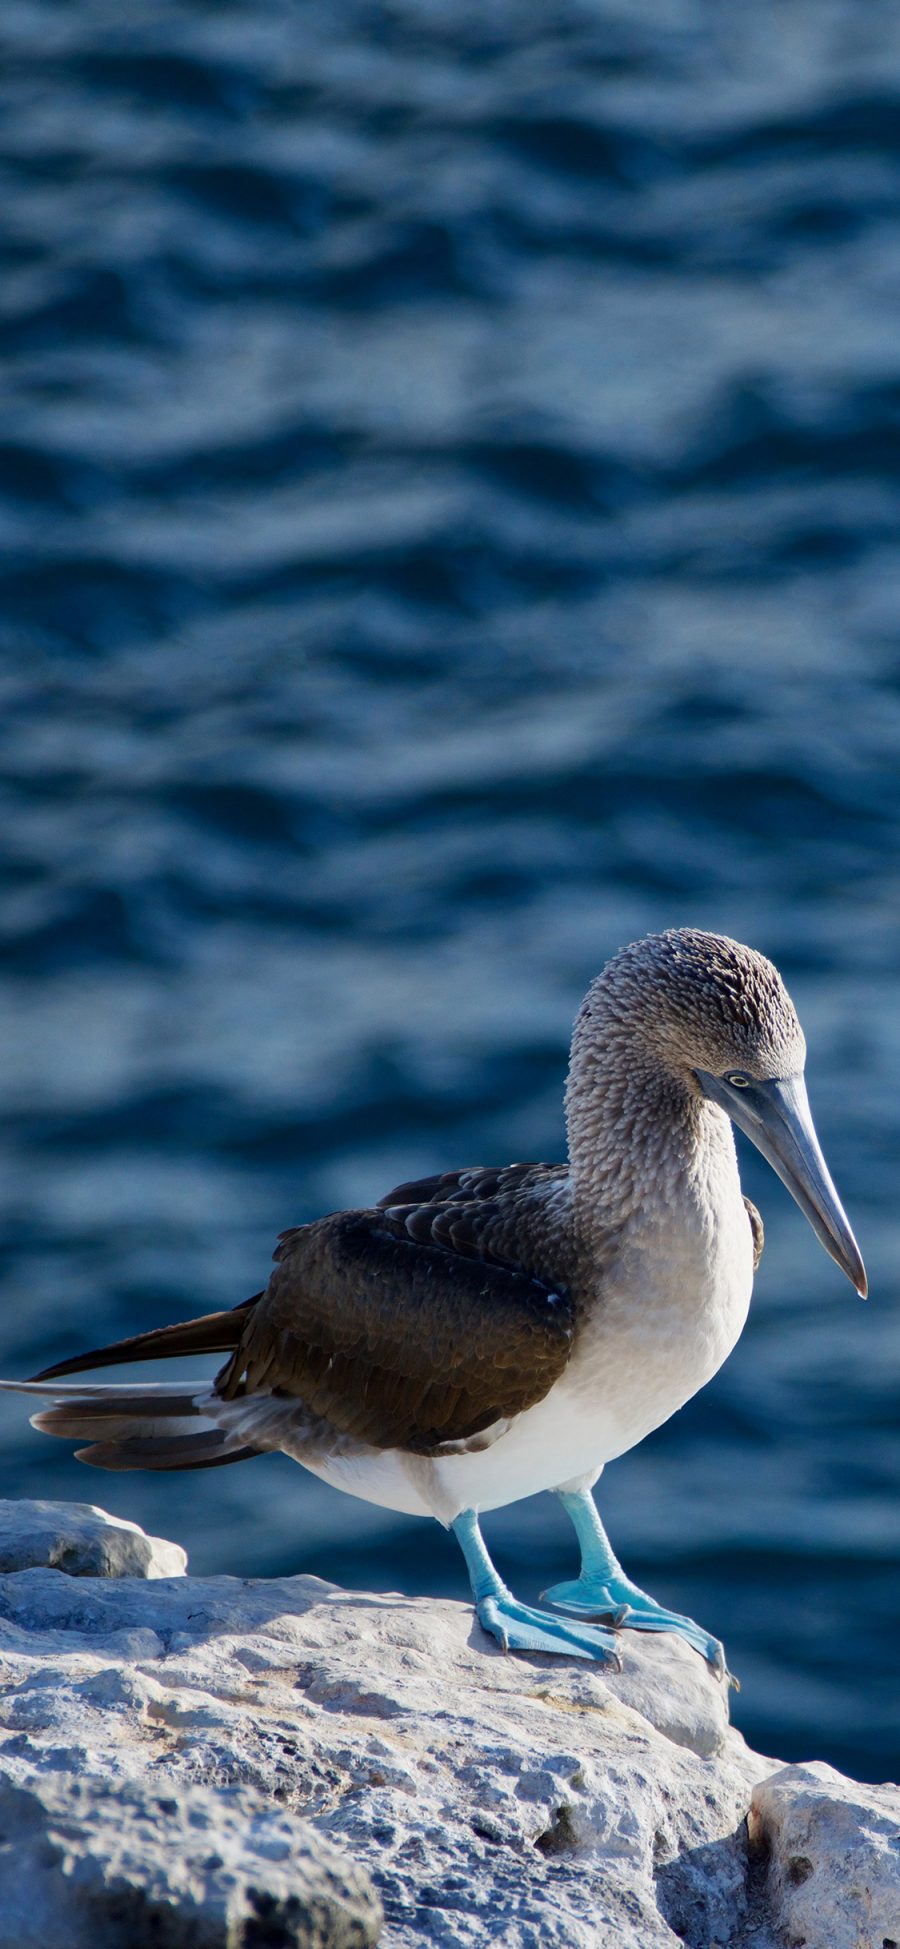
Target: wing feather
508, 1215
399, 1342
412, 1325
757, 1230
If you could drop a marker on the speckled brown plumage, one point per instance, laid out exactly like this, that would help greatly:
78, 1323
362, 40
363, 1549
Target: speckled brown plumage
333, 1330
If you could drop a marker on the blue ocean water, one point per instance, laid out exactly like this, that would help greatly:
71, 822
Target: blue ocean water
449, 499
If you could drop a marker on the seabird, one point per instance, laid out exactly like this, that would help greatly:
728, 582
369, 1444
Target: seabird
487, 1333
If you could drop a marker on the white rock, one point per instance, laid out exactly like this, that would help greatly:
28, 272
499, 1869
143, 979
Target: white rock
523, 1802
83, 1541
835, 1848
94, 1864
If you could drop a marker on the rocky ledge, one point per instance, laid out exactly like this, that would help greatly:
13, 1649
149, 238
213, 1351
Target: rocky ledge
214, 1763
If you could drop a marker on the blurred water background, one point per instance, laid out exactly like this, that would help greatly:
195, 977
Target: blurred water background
449, 497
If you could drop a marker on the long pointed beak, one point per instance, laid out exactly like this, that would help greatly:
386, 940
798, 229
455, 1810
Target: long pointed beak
776, 1117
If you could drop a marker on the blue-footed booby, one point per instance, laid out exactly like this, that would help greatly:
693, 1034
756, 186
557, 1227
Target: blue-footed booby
487, 1333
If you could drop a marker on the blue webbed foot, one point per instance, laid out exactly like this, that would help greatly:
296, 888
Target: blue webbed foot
518, 1627
626, 1605
604, 1591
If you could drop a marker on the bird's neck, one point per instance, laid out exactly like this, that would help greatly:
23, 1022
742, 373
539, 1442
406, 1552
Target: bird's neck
639, 1135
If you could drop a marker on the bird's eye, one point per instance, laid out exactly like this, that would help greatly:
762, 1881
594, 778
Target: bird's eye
737, 1080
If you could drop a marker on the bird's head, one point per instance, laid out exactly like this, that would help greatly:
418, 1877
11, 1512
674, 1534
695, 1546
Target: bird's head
719, 1017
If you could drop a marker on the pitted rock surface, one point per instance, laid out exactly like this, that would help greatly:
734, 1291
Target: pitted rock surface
524, 1801
83, 1541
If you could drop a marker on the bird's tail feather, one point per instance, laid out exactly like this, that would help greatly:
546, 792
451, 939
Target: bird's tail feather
163, 1425
211, 1333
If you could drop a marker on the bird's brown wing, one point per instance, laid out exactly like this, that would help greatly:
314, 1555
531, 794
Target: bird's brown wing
427, 1321
757, 1229
398, 1341
474, 1184
505, 1214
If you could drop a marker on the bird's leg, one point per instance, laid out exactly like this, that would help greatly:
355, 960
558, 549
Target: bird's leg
603, 1590
516, 1626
